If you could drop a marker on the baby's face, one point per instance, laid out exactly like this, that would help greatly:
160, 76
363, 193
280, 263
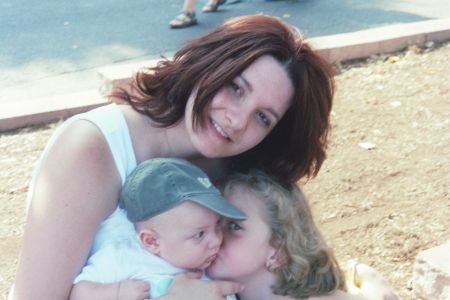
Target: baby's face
189, 236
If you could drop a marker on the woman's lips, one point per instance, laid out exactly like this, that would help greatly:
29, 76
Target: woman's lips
219, 132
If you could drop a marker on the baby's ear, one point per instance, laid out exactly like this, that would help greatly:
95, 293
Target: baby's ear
149, 239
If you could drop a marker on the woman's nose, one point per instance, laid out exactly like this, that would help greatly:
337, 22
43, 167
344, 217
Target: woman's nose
237, 117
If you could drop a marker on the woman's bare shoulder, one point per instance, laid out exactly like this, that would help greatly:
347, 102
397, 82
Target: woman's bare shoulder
79, 167
79, 150
82, 137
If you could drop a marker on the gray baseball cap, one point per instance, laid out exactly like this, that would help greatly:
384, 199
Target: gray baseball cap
159, 184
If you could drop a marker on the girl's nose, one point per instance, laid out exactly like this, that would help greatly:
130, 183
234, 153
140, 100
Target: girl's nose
216, 239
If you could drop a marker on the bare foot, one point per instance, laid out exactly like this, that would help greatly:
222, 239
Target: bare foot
365, 281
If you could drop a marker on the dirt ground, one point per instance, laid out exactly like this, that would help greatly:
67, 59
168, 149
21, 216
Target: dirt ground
381, 197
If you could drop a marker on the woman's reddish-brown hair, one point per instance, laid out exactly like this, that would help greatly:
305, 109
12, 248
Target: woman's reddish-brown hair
296, 147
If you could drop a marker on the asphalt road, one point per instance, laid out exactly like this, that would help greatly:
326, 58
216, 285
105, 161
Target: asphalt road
51, 46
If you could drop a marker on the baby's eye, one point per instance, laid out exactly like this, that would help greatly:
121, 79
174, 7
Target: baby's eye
263, 118
199, 235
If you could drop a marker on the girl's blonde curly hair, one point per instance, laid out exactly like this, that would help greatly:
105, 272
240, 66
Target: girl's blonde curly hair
309, 267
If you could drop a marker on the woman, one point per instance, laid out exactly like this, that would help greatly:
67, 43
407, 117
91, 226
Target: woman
278, 252
249, 94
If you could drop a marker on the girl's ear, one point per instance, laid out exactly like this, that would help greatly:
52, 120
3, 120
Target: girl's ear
276, 259
149, 239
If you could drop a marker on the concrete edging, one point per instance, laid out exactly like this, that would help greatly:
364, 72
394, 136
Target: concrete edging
334, 48
44, 110
364, 43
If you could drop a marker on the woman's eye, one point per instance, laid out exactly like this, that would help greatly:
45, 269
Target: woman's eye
236, 88
263, 118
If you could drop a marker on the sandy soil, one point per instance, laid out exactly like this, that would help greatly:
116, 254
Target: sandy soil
381, 197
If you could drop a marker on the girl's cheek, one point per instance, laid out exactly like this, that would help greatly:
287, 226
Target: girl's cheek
226, 244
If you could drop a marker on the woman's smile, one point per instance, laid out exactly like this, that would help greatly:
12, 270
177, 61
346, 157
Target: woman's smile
219, 130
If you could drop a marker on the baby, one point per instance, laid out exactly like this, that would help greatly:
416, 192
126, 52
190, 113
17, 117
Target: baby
176, 213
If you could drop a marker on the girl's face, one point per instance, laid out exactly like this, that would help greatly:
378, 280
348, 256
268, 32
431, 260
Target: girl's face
243, 113
245, 247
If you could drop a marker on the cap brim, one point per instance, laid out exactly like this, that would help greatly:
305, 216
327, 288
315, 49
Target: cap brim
217, 204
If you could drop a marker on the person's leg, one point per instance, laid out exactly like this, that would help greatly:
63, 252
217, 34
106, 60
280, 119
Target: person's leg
189, 5
186, 17
212, 5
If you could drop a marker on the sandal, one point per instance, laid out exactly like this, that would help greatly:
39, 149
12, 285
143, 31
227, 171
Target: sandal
212, 5
184, 19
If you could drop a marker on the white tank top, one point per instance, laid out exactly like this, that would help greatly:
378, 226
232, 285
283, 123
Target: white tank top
111, 122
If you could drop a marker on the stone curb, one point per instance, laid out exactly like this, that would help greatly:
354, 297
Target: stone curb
361, 44
43, 110
334, 48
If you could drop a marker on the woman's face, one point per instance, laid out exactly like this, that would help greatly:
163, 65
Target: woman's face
243, 113
245, 247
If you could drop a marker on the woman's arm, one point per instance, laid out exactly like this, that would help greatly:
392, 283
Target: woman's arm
130, 289
188, 286
76, 188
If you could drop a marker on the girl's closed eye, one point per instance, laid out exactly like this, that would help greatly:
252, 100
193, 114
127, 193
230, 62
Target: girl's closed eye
233, 226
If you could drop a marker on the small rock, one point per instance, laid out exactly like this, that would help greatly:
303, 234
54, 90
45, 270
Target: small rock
366, 145
431, 278
396, 103
429, 44
392, 59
